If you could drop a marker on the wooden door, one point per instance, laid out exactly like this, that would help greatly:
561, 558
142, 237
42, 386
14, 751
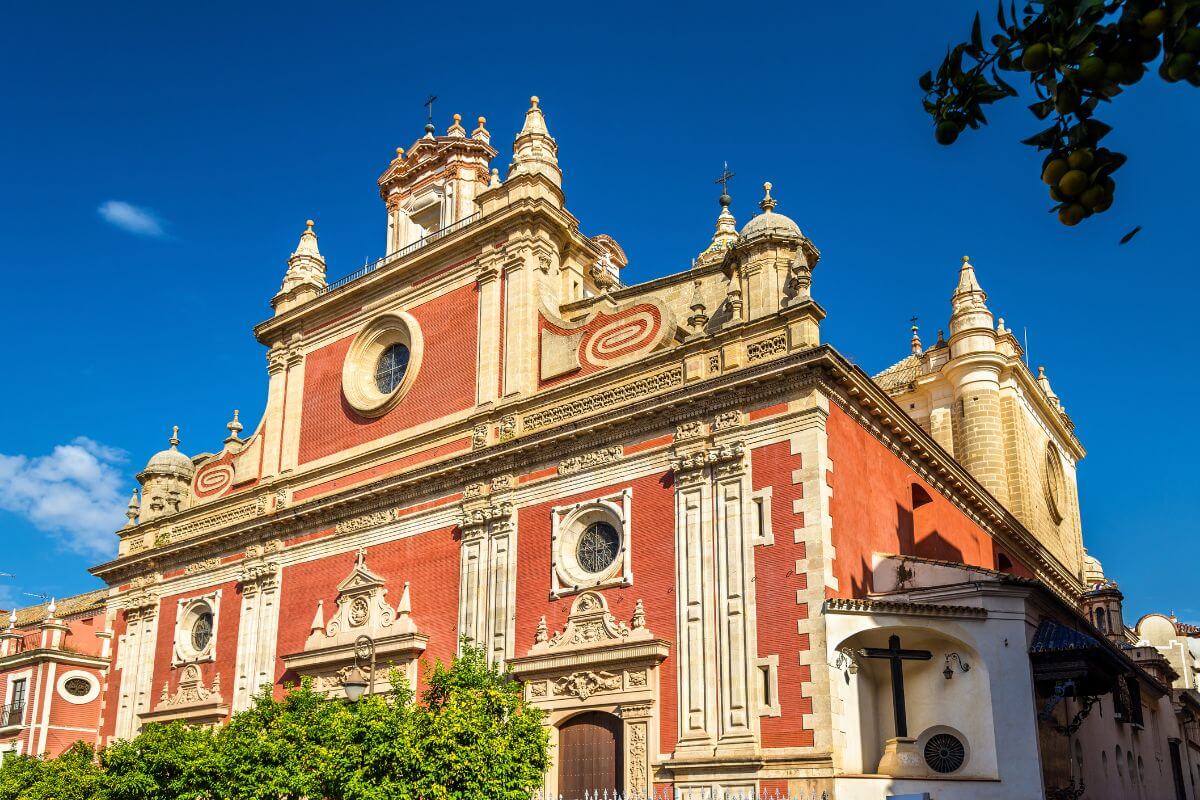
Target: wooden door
589, 756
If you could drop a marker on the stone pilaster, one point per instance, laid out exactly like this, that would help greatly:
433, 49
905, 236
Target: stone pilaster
135, 659
694, 577
488, 569
259, 624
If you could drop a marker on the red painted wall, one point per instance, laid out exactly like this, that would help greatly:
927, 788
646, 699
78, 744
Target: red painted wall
444, 385
228, 622
653, 563
872, 510
775, 584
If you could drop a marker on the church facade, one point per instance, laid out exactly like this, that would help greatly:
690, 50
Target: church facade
717, 553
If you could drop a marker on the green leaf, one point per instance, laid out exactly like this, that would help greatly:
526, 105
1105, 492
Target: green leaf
926, 82
976, 34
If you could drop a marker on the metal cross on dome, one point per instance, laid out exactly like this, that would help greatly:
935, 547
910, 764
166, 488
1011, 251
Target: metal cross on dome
724, 179
429, 107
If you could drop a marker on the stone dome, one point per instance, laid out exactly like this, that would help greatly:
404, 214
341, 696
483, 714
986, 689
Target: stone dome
770, 223
170, 461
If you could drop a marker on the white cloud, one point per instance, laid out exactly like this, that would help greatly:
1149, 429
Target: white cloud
76, 493
130, 218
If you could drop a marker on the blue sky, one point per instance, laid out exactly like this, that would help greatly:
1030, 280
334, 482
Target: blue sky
157, 163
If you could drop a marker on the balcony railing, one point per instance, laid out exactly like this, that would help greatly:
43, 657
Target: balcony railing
11, 714
367, 269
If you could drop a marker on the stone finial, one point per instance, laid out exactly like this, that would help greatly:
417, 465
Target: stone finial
305, 276
768, 202
131, 511
12, 619
51, 608
1000, 329
234, 427
399, 154
174, 440
534, 149
915, 342
318, 620
308, 242
1044, 382
404, 607
639, 616
543, 632
481, 133
456, 129
495, 179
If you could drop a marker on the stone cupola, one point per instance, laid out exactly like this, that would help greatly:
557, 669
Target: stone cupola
166, 481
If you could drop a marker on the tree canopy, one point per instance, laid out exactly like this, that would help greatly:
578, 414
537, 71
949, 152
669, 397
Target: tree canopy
1078, 55
469, 736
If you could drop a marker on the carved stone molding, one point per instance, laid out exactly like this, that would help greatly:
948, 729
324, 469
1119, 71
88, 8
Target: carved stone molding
477, 517
585, 684
596, 458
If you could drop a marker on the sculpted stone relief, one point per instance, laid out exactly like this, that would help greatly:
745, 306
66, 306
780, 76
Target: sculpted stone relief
590, 623
191, 690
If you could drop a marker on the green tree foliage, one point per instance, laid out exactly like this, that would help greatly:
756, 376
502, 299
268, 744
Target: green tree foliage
470, 737
1077, 54
74, 775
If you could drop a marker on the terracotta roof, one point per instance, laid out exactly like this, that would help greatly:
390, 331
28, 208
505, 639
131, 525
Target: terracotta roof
868, 605
66, 607
900, 374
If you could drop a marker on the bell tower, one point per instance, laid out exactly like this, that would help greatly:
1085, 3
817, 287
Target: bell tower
434, 184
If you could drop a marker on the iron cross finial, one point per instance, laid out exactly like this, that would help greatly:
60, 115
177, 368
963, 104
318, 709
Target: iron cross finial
429, 106
724, 179
913, 319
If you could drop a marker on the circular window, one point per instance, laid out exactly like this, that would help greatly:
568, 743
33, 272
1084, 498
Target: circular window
1054, 483
393, 363
598, 547
202, 629
77, 686
945, 753
382, 363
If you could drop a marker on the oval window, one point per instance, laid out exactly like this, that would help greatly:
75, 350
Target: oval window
77, 687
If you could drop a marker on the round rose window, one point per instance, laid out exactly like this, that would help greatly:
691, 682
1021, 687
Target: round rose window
598, 547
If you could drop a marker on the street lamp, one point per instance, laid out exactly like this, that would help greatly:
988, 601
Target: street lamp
357, 681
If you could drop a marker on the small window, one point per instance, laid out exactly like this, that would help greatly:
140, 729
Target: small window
391, 367
760, 517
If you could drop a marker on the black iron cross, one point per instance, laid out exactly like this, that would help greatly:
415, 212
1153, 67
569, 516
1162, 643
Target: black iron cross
429, 106
724, 179
897, 657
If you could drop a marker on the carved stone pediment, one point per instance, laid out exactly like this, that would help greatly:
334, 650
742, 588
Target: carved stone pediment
361, 610
591, 624
192, 701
